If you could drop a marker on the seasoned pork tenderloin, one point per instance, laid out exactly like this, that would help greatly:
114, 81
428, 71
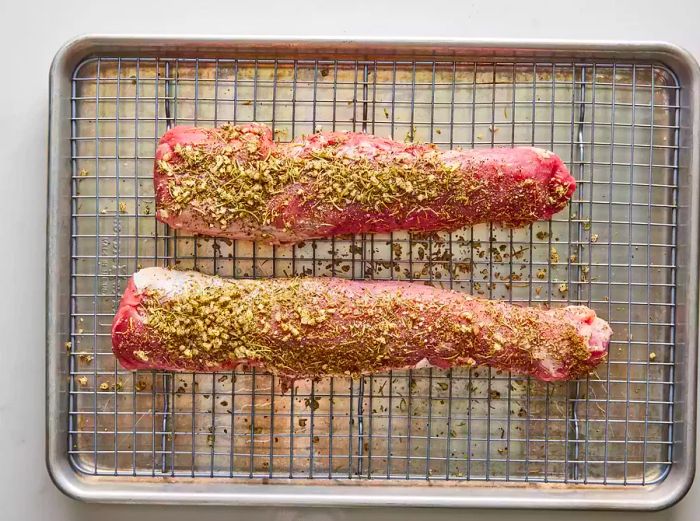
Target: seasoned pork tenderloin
236, 182
316, 327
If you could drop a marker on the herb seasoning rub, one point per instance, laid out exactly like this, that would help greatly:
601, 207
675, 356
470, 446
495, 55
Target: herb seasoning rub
316, 327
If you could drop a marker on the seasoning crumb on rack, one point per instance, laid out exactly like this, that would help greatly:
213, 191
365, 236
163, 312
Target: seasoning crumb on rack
652, 356
83, 381
104, 386
563, 289
541, 273
140, 385
85, 358
554, 256
122, 207
83, 173
410, 136
594, 237
68, 345
386, 113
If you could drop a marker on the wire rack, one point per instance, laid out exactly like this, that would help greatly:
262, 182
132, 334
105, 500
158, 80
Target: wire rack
615, 124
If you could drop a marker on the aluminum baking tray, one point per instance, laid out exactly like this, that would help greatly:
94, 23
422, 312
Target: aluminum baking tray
623, 116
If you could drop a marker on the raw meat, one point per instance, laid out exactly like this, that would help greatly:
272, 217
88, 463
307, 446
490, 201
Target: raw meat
236, 182
316, 327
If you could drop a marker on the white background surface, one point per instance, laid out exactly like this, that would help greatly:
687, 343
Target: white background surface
31, 33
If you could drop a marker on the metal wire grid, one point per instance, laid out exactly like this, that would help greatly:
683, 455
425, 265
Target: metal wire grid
615, 124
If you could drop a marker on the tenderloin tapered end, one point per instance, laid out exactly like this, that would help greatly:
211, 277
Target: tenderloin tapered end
594, 329
573, 352
126, 323
561, 185
132, 344
596, 334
